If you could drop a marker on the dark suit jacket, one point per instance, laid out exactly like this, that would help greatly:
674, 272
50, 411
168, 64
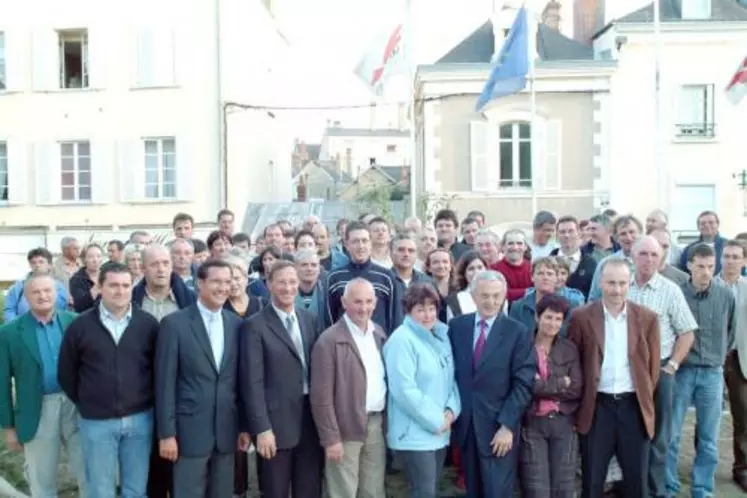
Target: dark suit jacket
584, 274
271, 375
196, 401
20, 361
587, 331
498, 391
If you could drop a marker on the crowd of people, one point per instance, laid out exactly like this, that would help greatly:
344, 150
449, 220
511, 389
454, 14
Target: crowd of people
160, 369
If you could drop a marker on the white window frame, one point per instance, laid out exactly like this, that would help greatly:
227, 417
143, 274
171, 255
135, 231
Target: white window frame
3, 67
4, 174
705, 126
76, 157
66, 36
161, 168
515, 182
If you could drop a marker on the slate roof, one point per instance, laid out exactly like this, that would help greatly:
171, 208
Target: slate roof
331, 169
365, 132
670, 11
478, 47
393, 172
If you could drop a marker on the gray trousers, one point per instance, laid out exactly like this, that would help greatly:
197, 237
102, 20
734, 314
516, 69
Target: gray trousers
548, 457
204, 477
423, 470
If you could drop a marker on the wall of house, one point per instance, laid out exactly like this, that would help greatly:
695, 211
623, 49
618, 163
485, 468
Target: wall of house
364, 148
688, 163
114, 114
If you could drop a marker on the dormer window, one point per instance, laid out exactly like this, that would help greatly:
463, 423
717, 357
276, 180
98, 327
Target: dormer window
695, 10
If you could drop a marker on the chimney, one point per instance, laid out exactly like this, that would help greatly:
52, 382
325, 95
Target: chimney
349, 160
301, 189
338, 166
303, 152
551, 15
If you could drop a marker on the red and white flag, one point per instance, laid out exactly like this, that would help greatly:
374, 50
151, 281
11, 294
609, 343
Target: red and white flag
385, 57
737, 88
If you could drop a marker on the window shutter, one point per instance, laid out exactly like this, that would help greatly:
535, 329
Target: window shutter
539, 154
553, 154
185, 170
479, 156
47, 169
98, 58
155, 56
46, 60
16, 58
131, 171
102, 171
18, 171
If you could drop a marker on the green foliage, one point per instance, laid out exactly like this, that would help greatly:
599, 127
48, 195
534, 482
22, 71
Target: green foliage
429, 204
377, 200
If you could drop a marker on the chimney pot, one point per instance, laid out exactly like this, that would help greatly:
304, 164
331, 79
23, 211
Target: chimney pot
551, 15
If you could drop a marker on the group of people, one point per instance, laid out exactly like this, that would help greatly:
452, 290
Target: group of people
161, 369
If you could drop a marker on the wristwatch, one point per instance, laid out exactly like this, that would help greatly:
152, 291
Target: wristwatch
675, 366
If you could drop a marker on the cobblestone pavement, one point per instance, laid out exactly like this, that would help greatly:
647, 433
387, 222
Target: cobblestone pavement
11, 464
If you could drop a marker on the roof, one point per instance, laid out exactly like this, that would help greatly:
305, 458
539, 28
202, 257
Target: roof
366, 132
479, 46
313, 151
331, 169
393, 172
671, 11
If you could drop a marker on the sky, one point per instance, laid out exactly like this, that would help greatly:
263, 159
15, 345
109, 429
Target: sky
329, 37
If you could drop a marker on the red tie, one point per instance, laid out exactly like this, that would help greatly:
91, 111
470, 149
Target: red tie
481, 340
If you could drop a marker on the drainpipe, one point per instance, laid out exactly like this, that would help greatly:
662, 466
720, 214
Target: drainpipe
222, 129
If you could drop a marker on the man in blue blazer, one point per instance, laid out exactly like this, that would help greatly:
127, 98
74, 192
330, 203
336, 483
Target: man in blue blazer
495, 365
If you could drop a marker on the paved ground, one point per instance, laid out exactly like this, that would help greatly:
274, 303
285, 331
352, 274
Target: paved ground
11, 469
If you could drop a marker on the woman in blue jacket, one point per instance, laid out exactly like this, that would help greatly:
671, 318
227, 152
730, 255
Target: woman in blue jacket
423, 400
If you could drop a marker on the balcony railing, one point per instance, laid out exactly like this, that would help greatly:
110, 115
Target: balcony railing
695, 130
525, 183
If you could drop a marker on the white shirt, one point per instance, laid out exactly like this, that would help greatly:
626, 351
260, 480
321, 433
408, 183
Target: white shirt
115, 326
296, 338
213, 321
373, 365
615, 377
539, 251
573, 259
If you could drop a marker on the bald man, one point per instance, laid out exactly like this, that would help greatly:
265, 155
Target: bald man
161, 292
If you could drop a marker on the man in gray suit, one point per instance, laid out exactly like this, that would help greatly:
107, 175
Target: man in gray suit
275, 353
196, 400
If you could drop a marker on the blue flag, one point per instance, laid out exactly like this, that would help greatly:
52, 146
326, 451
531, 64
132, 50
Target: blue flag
509, 75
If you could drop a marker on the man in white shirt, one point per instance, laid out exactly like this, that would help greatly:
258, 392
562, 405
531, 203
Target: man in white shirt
543, 233
348, 396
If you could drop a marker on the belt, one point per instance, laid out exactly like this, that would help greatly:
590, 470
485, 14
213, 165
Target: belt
616, 396
371, 414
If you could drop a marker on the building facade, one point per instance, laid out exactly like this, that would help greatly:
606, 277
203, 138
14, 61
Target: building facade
358, 149
700, 136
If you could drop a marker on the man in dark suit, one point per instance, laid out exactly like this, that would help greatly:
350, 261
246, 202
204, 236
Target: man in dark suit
495, 365
618, 342
275, 350
196, 400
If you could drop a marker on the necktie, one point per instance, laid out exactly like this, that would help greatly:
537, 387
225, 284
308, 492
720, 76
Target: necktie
481, 340
296, 339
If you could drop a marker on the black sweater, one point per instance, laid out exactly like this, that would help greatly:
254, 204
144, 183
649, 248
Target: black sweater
105, 379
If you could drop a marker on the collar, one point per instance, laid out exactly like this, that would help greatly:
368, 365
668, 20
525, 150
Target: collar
208, 314
695, 292
283, 315
720, 279
360, 266
170, 296
654, 282
576, 256
623, 314
356, 330
489, 320
52, 319
108, 316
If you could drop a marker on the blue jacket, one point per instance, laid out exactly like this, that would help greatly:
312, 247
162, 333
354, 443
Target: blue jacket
339, 258
388, 312
183, 295
258, 288
16, 303
718, 246
318, 304
525, 310
420, 377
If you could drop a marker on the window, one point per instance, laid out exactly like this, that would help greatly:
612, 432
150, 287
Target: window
73, 48
160, 168
3, 171
391, 148
372, 161
75, 170
696, 112
3, 78
515, 143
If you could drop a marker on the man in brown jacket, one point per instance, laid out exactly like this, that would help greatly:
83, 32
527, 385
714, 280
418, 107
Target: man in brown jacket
348, 396
618, 343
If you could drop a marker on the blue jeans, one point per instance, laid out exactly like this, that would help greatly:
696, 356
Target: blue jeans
122, 442
658, 456
702, 387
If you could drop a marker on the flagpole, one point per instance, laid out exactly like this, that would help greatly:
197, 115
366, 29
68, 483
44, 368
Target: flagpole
533, 109
659, 163
410, 56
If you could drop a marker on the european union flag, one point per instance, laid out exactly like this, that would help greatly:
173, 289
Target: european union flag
512, 65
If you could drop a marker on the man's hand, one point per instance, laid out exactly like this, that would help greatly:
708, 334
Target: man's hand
11, 440
168, 449
567, 382
334, 452
502, 442
95, 291
448, 420
244, 441
668, 369
266, 446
